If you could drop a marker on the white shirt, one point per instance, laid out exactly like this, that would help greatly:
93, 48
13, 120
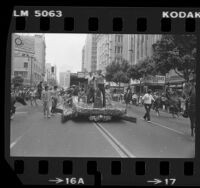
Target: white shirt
134, 96
147, 98
90, 78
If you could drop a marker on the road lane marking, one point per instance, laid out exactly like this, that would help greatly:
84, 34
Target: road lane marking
114, 142
15, 142
18, 139
160, 125
21, 112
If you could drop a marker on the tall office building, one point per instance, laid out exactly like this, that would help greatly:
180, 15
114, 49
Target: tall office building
83, 59
40, 52
51, 74
90, 54
28, 58
64, 80
47, 72
138, 47
109, 48
101, 49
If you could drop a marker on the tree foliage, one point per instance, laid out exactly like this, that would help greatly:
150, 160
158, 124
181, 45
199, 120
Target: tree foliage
175, 52
118, 72
142, 69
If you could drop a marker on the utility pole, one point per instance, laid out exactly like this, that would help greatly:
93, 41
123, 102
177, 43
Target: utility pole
31, 76
31, 72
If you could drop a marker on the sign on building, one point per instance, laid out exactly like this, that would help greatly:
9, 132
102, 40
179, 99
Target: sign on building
81, 75
160, 79
23, 43
155, 79
134, 82
73, 74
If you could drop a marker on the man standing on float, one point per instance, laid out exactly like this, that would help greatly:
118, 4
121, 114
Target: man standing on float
100, 85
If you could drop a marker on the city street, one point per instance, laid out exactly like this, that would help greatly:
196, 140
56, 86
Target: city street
34, 135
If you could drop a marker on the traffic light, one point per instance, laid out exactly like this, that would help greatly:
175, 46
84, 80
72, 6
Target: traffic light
52, 69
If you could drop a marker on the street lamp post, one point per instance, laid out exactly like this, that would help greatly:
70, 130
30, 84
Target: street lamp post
31, 77
31, 72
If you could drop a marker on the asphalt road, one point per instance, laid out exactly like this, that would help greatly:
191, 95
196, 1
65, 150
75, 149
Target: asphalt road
34, 135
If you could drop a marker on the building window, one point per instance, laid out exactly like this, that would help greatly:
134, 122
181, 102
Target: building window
23, 74
119, 38
25, 65
118, 50
16, 73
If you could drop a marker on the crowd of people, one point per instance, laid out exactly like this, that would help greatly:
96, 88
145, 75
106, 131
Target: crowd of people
171, 101
100, 95
49, 97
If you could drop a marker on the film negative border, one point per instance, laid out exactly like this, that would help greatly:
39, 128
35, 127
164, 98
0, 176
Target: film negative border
116, 20
106, 171
103, 171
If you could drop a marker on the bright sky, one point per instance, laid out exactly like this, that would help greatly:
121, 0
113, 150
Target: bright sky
65, 51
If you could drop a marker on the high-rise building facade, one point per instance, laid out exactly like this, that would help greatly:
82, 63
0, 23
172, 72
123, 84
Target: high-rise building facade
118, 47
64, 79
109, 48
83, 59
140, 47
50, 74
28, 58
90, 54
40, 52
47, 72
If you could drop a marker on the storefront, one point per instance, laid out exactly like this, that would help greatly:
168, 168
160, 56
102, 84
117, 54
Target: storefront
155, 83
175, 83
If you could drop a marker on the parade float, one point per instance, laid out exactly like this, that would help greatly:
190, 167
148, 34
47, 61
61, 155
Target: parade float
80, 109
